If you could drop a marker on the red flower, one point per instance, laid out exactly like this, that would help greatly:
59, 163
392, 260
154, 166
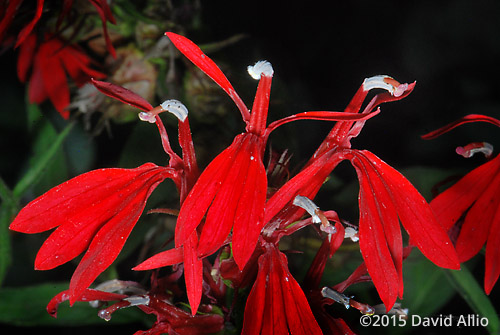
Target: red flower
49, 63
95, 211
477, 197
277, 304
9, 10
385, 195
231, 191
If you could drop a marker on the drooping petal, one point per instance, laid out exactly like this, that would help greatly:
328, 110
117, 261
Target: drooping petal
451, 204
377, 209
416, 216
277, 304
122, 94
239, 202
478, 221
193, 272
9, 14
202, 61
105, 14
95, 210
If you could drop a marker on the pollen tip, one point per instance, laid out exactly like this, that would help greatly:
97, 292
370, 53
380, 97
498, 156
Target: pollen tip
175, 107
385, 82
262, 67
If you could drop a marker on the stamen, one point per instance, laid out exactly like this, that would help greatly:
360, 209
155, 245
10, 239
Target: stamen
386, 83
262, 67
317, 215
352, 233
336, 296
309, 206
474, 148
172, 106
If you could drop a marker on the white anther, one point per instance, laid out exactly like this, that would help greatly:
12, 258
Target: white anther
378, 82
262, 67
352, 233
309, 206
175, 107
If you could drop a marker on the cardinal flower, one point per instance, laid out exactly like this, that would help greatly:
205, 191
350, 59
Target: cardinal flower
231, 191
385, 198
476, 197
8, 11
49, 62
96, 211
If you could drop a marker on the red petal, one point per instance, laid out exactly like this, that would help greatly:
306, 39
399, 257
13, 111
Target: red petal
381, 208
105, 14
122, 94
202, 61
8, 16
466, 119
451, 204
492, 259
165, 258
27, 29
193, 272
53, 76
88, 295
25, 57
416, 216
476, 228
256, 304
374, 248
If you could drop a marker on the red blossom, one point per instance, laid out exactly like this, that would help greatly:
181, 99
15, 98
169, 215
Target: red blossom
277, 304
95, 211
9, 10
50, 62
476, 197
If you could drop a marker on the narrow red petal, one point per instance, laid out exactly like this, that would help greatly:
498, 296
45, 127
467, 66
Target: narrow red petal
25, 57
202, 61
88, 295
202, 194
450, 205
417, 217
107, 244
256, 304
27, 29
466, 119
8, 16
374, 248
193, 272
383, 208
492, 258
299, 316
478, 221
122, 94
74, 198
165, 258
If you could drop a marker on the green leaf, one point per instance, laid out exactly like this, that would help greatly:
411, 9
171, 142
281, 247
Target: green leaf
26, 306
426, 287
470, 290
40, 163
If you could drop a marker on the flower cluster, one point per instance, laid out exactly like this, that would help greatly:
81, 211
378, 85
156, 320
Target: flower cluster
473, 203
229, 210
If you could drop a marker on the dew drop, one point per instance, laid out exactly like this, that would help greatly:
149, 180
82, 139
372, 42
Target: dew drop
104, 314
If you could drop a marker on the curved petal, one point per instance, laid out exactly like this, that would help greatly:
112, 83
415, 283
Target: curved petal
122, 94
478, 221
465, 119
451, 204
165, 258
204, 63
492, 258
